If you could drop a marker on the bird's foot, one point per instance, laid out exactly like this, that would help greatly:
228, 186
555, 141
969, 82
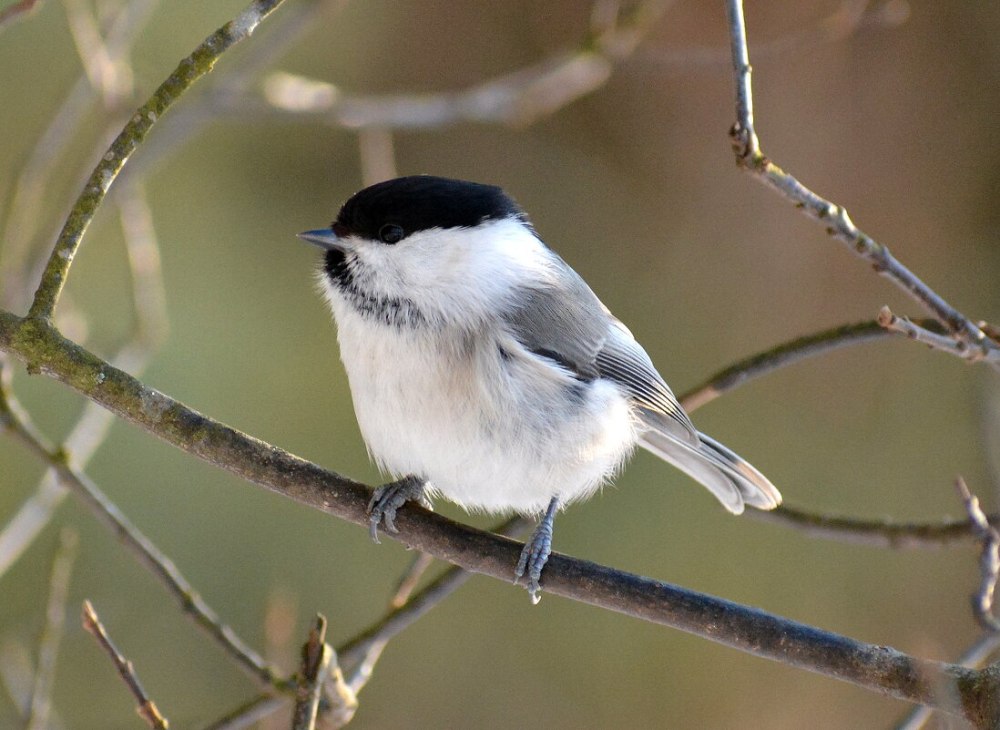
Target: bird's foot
536, 552
390, 497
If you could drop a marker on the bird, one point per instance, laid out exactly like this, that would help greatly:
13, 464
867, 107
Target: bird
484, 370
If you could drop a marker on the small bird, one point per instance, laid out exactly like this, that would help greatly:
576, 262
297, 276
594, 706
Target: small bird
483, 369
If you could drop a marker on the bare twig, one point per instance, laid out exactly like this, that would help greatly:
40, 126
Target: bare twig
55, 620
200, 62
144, 550
873, 532
783, 355
749, 156
989, 559
145, 707
850, 17
921, 333
92, 427
316, 656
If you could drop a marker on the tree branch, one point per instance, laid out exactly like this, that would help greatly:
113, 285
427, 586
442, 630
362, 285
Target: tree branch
954, 689
148, 554
145, 707
192, 68
787, 353
749, 156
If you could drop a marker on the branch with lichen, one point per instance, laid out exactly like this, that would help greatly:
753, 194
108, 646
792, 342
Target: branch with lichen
974, 694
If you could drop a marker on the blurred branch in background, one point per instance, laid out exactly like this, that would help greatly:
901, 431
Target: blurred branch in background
12, 417
23, 255
91, 429
517, 99
16, 11
40, 709
190, 69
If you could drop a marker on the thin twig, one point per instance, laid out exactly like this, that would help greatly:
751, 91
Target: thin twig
196, 65
146, 552
921, 333
783, 355
55, 620
989, 559
90, 430
850, 17
316, 655
749, 156
881, 533
145, 706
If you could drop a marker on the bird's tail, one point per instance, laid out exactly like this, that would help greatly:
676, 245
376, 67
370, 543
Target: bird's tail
731, 479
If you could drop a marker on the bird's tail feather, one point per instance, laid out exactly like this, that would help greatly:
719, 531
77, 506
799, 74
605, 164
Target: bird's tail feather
732, 480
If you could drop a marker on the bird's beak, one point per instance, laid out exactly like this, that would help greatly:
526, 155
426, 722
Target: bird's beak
325, 238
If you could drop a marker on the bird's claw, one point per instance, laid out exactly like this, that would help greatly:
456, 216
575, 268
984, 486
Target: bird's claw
536, 553
388, 498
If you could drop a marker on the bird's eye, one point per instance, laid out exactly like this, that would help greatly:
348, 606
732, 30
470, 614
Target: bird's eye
390, 233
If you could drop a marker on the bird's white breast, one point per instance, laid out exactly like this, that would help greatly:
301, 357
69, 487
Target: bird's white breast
490, 427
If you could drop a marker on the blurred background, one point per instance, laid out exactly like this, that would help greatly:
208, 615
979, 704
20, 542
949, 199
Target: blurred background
886, 108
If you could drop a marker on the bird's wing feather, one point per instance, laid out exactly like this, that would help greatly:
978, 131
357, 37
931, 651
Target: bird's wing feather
623, 360
564, 322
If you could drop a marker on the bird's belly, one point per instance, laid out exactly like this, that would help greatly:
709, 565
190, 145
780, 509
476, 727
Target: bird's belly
487, 432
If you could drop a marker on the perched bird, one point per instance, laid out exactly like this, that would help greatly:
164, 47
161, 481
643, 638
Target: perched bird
483, 368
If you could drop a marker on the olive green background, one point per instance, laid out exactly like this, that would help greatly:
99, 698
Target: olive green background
636, 187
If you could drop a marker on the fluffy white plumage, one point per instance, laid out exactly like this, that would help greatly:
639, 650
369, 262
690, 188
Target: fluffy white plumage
444, 404
485, 370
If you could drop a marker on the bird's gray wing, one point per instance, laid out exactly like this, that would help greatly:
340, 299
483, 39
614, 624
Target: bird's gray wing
623, 360
564, 321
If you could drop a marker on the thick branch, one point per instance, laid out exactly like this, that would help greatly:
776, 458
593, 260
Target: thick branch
880, 669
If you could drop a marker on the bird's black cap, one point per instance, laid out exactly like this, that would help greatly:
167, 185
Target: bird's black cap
420, 202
